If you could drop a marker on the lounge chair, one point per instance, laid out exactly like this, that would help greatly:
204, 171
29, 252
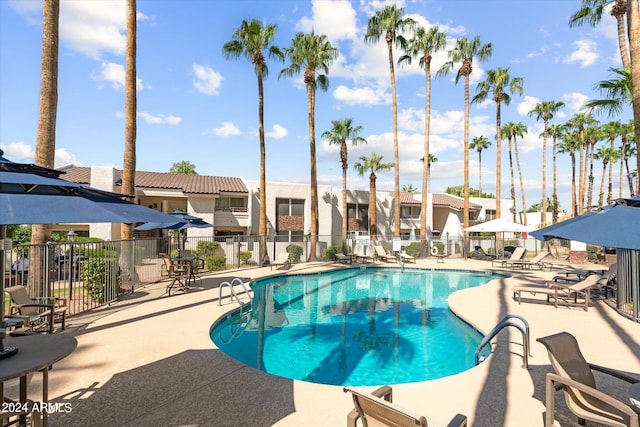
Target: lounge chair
362, 257
609, 280
575, 377
562, 294
37, 314
344, 259
380, 253
281, 260
377, 408
516, 255
535, 262
405, 257
479, 253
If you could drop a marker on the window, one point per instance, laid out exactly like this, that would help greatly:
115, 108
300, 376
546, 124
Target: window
489, 214
410, 211
290, 218
357, 217
231, 204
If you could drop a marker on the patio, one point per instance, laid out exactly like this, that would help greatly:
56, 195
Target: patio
148, 360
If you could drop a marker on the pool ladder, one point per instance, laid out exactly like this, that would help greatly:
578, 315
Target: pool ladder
232, 291
504, 322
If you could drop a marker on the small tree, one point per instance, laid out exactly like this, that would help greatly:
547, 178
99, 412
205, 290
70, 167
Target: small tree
183, 167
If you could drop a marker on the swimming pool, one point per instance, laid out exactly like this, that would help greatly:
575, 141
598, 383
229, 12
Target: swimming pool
367, 326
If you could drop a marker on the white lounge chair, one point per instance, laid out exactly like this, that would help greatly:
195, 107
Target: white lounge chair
562, 294
281, 260
381, 253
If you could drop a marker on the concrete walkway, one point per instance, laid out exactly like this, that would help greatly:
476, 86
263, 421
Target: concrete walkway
148, 361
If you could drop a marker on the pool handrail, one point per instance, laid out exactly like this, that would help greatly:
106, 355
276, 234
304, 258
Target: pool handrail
526, 345
232, 292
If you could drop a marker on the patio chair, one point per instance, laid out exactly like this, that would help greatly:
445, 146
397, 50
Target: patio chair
575, 377
516, 255
377, 408
609, 280
479, 253
535, 262
562, 294
281, 260
178, 273
342, 258
362, 257
405, 257
380, 253
37, 314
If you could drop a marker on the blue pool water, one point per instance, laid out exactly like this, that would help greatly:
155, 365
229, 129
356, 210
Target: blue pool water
368, 326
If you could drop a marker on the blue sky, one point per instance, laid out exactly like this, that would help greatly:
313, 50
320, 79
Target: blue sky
195, 105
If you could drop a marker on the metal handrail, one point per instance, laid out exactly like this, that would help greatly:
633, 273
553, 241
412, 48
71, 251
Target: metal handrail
232, 291
526, 344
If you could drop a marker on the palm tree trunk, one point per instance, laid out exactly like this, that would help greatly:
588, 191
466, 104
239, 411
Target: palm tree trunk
373, 219
524, 202
581, 175
343, 151
396, 156
513, 187
262, 225
604, 171
314, 175
130, 113
618, 12
465, 149
624, 143
610, 186
590, 190
629, 178
574, 203
480, 173
46, 135
498, 163
554, 216
425, 164
543, 218
633, 28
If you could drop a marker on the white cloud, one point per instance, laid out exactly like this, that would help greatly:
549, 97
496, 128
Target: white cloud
226, 129
207, 80
574, 101
527, 105
336, 19
362, 96
114, 75
63, 157
585, 53
19, 152
277, 132
159, 119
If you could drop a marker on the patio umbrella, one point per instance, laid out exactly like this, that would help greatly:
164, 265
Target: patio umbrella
180, 222
499, 225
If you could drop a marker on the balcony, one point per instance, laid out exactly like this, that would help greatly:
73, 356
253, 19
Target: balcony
232, 217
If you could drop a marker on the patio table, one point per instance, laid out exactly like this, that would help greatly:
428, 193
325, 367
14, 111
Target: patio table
35, 353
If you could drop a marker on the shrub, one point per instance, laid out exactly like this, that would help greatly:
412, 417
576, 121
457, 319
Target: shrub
329, 254
413, 249
215, 263
294, 252
206, 249
245, 256
95, 274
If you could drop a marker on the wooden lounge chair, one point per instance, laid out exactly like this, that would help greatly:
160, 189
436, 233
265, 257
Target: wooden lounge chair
377, 408
562, 294
380, 253
516, 255
575, 377
37, 314
535, 262
282, 260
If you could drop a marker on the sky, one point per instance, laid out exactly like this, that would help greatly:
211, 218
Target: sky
195, 105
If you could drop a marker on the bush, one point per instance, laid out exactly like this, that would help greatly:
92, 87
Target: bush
215, 263
329, 254
95, 274
207, 249
294, 252
245, 256
413, 249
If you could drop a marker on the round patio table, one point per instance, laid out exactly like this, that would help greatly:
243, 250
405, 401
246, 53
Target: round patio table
35, 353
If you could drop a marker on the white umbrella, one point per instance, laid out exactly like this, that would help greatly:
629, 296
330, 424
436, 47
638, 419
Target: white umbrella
499, 225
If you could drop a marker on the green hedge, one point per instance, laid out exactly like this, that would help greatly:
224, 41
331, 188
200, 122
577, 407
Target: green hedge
329, 254
295, 252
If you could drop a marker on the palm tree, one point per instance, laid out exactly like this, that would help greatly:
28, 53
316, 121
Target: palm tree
311, 52
341, 132
499, 84
626, 133
544, 111
591, 11
612, 130
463, 53
130, 113
633, 28
479, 143
570, 141
608, 155
592, 136
372, 164
46, 134
249, 40
424, 43
390, 22
554, 131
519, 130
507, 134
409, 188
580, 122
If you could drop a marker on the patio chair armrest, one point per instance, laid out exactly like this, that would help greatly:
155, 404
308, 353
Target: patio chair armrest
55, 301
458, 421
615, 373
605, 398
384, 392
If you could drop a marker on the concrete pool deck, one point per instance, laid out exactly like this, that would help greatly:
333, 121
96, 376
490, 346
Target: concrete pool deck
148, 361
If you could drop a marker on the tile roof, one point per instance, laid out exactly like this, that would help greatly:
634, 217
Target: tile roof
193, 184
454, 202
408, 198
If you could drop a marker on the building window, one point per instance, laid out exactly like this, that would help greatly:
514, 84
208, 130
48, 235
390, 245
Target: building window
410, 212
290, 218
489, 214
357, 217
231, 204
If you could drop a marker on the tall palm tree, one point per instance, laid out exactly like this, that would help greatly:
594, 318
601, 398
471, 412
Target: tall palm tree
423, 44
46, 134
371, 165
312, 52
463, 52
626, 133
569, 143
580, 122
591, 11
612, 130
499, 84
130, 125
249, 40
409, 188
608, 155
479, 143
633, 29
391, 22
593, 135
627, 153
545, 111
341, 132
519, 130
505, 132
554, 130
